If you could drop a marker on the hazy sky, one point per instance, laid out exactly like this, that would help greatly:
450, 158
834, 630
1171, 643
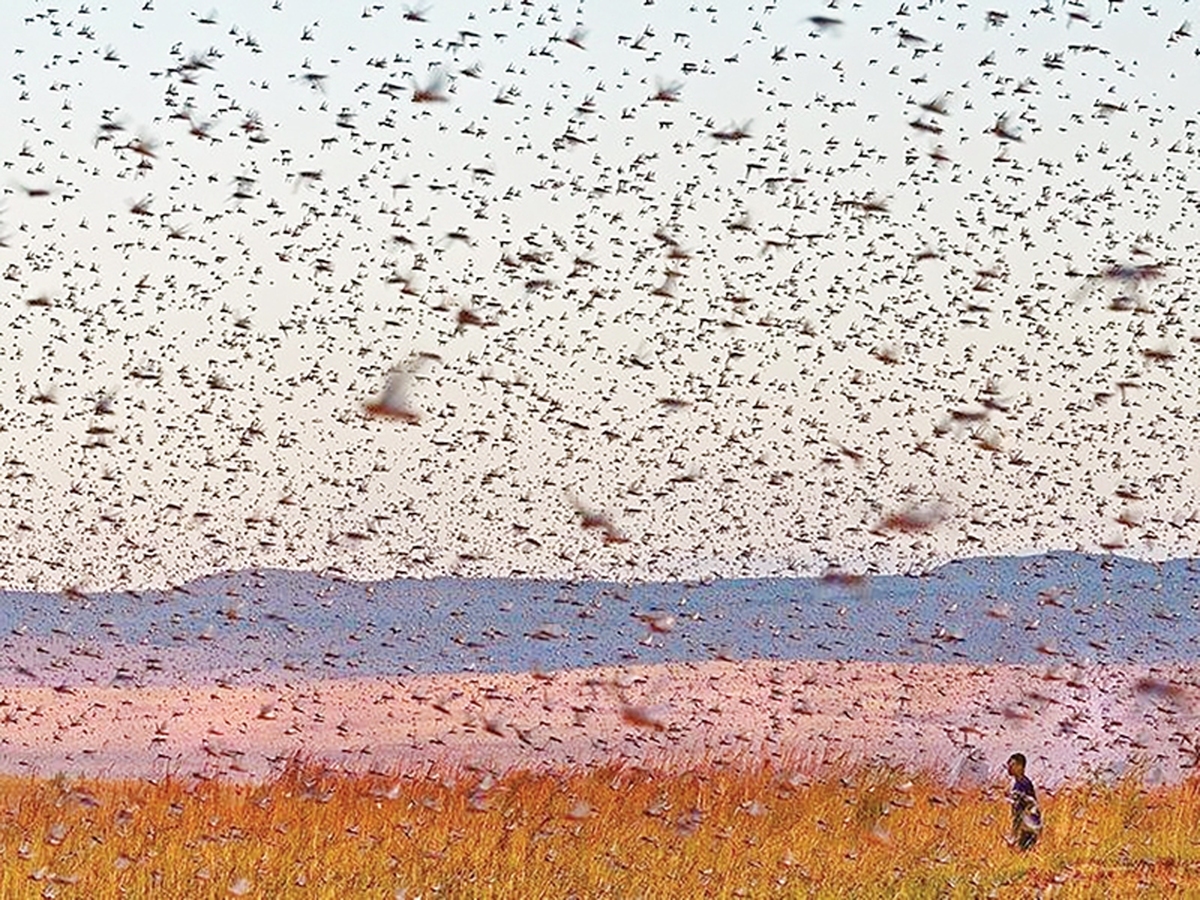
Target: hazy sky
748, 293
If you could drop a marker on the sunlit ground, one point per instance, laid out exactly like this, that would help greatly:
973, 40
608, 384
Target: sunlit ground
732, 830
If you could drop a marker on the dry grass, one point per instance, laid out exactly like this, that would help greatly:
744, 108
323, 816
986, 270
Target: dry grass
612, 831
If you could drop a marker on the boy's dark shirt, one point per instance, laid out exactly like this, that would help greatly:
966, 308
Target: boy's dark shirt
1022, 791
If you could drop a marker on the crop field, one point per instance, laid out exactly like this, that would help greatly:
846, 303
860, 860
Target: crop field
714, 830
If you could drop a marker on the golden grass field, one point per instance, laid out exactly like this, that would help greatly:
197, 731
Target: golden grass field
731, 830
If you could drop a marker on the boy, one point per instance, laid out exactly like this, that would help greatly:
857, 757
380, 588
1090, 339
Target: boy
1027, 820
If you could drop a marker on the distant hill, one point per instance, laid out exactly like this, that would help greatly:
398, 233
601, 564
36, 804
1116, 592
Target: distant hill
274, 624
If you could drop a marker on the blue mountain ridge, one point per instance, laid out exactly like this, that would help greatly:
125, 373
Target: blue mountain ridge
264, 624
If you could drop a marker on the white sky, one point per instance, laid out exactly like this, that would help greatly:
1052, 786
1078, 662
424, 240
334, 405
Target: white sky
265, 357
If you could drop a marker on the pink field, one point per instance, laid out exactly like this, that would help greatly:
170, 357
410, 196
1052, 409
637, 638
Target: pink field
959, 722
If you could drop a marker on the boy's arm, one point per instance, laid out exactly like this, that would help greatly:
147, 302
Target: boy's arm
1020, 797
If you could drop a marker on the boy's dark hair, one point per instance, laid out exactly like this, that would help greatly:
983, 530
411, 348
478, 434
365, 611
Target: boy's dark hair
1018, 758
